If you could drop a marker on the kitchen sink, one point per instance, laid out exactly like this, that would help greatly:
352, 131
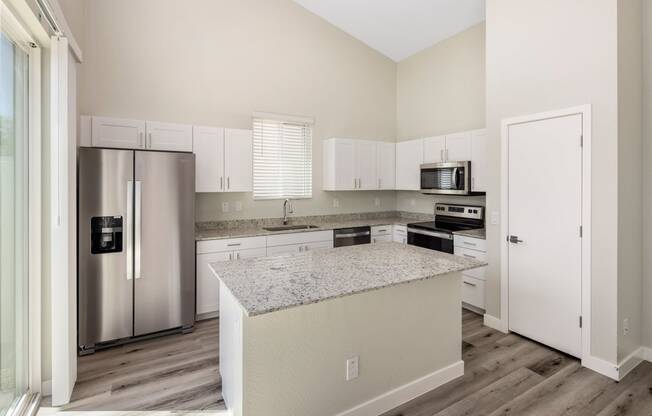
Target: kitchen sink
290, 227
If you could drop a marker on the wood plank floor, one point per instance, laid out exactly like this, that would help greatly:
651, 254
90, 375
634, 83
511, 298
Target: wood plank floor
504, 375
176, 372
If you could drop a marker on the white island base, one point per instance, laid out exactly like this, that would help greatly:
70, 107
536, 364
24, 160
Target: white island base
292, 362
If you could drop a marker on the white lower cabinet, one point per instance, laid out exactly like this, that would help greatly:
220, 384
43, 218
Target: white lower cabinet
208, 286
473, 281
399, 234
381, 233
298, 248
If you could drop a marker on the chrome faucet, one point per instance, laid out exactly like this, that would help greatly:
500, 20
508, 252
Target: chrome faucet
287, 204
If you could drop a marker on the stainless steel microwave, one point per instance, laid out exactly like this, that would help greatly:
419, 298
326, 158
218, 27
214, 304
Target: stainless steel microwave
449, 178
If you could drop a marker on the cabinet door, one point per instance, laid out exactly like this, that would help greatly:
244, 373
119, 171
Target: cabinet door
343, 164
409, 157
479, 161
118, 133
289, 249
433, 149
381, 239
316, 245
169, 136
366, 164
208, 285
250, 253
386, 167
238, 160
458, 147
208, 147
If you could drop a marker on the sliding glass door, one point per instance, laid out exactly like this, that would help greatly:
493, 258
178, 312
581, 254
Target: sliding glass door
14, 75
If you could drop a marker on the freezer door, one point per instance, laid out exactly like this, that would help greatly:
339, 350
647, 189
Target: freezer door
164, 244
105, 267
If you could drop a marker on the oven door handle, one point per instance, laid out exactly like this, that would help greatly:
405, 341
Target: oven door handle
352, 235
431, 233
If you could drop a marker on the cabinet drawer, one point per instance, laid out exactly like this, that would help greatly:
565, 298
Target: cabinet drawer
299, 238
232, 244
473, 291
400, 229
478, 273
381, 230
472, 243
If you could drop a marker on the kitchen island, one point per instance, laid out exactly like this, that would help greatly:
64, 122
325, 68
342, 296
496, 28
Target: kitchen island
289, 324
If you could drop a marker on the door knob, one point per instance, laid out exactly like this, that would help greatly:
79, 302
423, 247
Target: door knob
514, 239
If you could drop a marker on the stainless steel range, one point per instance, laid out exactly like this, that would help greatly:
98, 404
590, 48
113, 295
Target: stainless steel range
438, 234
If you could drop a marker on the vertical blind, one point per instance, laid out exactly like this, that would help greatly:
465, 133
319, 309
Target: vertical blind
282, 159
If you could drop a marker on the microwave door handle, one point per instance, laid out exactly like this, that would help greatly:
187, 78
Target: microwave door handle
455, 178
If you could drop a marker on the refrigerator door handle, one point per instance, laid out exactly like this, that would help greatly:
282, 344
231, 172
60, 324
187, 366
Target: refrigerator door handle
130, 230
138, 229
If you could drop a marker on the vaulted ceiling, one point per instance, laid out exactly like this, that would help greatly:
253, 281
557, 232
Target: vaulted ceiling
399, 28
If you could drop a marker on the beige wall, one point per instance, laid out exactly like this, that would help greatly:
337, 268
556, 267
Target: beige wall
441, 90
550, 55
215, 63
630, 186
647, 174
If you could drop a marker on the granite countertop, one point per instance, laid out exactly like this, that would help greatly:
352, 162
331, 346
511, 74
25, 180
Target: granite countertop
478, 233
268, 284
326, 223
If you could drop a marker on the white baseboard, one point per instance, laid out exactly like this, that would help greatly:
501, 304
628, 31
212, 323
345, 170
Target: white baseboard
630, 363
495, 323
46, 388
398, 396
645, 353
601, 366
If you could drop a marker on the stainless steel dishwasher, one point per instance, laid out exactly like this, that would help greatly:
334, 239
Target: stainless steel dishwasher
351, 236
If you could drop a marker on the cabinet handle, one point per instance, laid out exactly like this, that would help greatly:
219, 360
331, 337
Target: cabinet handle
233, 244
221, 183
141, 143
379, 183
473, 183
471, 257
300, 249
404, 241
470, 244
230, 256
237, 256
150, 141
306, 248
441, 155
470, 284
228, 182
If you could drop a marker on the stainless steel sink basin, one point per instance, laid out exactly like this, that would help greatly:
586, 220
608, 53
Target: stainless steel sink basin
290, 227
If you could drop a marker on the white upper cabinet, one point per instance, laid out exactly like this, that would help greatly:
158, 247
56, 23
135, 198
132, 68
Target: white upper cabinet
339, 165
366, 166
458, 147
479, 160
409, 157
208, 146
433, 149
238, 160
386, 165
169, 136
223, 159
118, 132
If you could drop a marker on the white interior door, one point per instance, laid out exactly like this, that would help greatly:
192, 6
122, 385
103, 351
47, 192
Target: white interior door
545, 214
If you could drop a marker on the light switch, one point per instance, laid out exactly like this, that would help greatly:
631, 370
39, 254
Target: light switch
225, 207
495, 217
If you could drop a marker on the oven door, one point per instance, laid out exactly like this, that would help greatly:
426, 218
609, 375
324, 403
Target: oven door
451, 178
431, 239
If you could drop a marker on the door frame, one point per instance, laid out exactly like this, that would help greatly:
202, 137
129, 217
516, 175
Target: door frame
585, 112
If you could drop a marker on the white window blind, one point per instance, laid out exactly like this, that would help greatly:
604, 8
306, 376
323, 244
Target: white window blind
282, 159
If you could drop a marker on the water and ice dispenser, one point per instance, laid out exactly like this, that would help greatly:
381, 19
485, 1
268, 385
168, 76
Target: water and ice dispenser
106, 235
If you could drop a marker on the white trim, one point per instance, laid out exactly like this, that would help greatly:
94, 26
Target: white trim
35, 192
495, 323
645, 353
585, 111
601, 366
284, 117
60, 19
630, 362
403, 394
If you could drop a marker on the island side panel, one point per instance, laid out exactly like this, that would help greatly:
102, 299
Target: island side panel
295, 359
231, 364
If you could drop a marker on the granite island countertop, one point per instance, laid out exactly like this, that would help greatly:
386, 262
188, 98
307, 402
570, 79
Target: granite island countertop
268, 284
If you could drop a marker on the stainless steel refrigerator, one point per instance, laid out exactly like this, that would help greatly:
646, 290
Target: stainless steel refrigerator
136, 246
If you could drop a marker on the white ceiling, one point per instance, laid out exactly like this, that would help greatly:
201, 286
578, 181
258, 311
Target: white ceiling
399, 28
